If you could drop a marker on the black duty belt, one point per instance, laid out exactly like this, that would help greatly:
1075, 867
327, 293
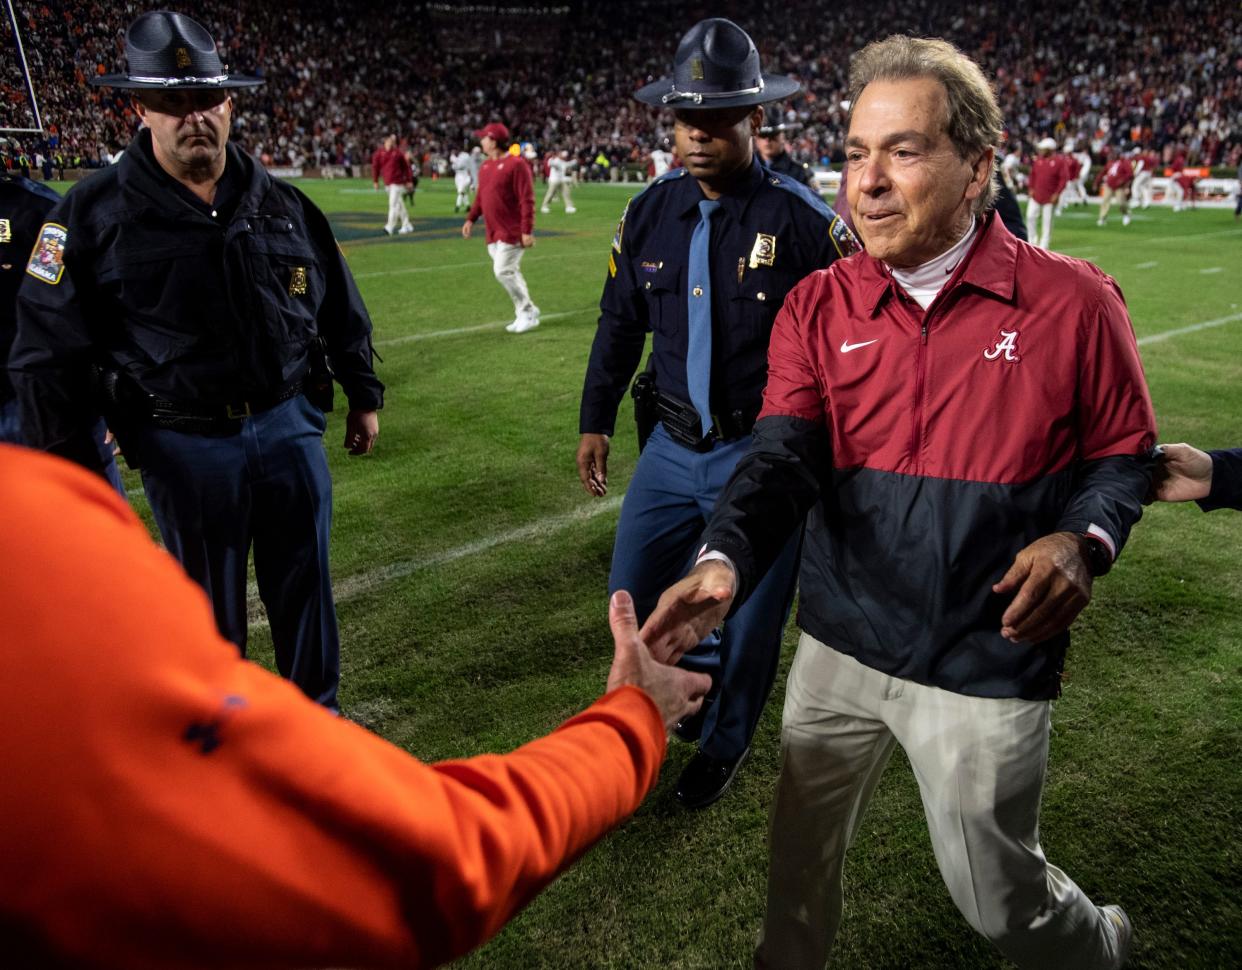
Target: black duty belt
682, 423
214, 419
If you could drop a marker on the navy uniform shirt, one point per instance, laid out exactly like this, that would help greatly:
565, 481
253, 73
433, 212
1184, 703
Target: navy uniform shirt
24, 206
194, 303
768, 234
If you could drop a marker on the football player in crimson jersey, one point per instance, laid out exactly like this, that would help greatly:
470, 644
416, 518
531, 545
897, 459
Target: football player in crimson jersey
1117, 178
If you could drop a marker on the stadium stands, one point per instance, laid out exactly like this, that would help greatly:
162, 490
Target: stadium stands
342, 73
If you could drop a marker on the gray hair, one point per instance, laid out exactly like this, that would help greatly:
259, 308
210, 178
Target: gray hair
975, 121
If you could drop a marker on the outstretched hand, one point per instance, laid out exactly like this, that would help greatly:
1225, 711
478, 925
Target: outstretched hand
1053, 586
677, 693
1183, 474
689, 610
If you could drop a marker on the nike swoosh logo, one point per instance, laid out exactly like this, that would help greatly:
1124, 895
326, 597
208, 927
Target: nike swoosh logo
846, 346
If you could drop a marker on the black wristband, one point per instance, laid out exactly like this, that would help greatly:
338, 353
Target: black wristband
1099, 560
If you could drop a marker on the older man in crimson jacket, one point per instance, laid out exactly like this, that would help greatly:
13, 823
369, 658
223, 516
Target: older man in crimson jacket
965, 418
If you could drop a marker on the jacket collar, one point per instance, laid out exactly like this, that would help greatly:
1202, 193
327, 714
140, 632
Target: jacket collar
736, 201
990, 266
139, 170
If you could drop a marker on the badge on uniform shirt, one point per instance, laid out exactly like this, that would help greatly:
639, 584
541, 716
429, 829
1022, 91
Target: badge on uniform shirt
297, 281
843, 238
47, 259
763, 252
6, 231
616, 239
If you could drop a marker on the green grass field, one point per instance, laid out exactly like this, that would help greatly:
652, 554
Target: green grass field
471, 572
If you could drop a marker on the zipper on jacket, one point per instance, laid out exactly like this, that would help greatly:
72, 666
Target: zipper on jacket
916, 430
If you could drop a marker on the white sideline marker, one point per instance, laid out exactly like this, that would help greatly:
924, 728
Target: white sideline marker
362, 583
494, 325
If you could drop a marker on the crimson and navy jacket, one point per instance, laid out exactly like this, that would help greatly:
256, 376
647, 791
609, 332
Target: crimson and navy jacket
930, 447
195, 303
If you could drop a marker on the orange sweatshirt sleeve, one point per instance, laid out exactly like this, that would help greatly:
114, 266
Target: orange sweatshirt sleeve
167, 804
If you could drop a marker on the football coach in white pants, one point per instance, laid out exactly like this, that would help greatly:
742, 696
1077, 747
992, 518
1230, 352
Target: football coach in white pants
946, 552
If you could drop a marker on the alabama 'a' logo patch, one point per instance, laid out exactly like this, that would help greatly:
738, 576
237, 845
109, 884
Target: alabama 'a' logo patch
47, 259
1006, 347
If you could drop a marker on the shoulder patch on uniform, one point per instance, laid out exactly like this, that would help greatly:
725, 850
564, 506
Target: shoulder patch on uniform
616, 238
6, 231
47, 259
843, 238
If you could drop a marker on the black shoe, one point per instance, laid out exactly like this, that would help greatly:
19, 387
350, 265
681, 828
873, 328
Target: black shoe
690, 728
705, 779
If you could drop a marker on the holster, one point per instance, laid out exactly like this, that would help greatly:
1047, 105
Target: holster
122, 402
646, 404
318, 386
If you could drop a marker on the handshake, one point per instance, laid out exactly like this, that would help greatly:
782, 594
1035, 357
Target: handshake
685, 614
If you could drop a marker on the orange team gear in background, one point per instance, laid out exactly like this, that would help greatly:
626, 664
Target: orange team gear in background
167, 804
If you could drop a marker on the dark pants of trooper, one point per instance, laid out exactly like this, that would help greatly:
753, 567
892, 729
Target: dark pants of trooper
267, 484
664, 511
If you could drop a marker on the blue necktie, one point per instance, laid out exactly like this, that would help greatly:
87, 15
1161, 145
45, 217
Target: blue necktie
699, 305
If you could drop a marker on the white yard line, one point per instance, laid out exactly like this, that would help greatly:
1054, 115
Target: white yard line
1155, 338
1151, 265
588, 253
1212, 269
1075, 250
494, 325
360, 584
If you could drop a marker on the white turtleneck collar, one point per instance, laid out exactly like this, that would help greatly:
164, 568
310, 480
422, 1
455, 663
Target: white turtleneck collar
925, 281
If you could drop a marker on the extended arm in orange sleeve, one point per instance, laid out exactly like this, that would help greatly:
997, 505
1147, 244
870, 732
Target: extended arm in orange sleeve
167, 804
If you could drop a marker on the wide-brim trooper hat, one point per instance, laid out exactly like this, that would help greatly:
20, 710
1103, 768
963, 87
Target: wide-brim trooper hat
716, 66
166, 51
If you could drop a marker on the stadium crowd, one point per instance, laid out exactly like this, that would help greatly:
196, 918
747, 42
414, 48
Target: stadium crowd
342, 74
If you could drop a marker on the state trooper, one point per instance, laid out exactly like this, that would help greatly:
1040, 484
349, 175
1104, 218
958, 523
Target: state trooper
774, 150
702, 259
197, 302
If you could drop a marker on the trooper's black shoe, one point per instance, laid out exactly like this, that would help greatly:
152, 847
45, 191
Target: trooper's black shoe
705, 779
689, 729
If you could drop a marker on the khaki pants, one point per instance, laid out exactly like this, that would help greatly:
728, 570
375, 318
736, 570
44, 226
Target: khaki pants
396, 209
980, 765
506, 265
1037, 234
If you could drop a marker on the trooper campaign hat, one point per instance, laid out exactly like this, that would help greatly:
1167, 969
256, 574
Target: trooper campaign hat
774, 123
716, 66
170, 51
